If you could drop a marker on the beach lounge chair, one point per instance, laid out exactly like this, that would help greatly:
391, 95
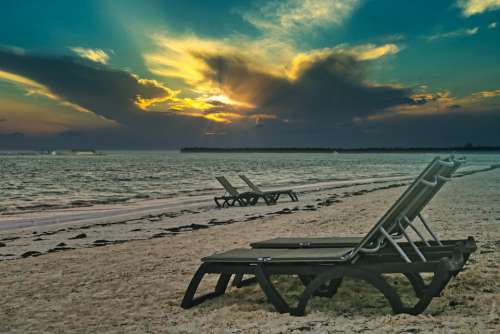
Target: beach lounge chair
275, 194
233, 196
434, 244
322, 269
440, 177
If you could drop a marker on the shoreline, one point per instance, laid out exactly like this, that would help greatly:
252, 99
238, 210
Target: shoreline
40, 233
137, 209
27, 237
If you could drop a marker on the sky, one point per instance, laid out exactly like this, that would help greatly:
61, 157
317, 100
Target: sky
292, 73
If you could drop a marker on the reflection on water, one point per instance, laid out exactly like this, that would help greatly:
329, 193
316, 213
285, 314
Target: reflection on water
37, 182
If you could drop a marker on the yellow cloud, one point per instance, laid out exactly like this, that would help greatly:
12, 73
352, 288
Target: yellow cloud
370, 51
226, 117
34, 88
183, 57
18, 79
95, 55
177, 58
486, 93
361, 52
473, 7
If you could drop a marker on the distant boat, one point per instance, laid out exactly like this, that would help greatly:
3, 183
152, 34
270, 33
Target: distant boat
84, 151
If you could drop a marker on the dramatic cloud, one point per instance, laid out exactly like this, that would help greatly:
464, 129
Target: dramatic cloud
473, 7
126, 104
113, 94
455, 33
361, 52
329, 88
95, 55
183, 57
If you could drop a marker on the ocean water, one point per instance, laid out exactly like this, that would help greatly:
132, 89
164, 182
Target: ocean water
40, 182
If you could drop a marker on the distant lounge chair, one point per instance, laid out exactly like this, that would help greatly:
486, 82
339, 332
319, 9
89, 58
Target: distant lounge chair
321, 270
275, 194
233, 196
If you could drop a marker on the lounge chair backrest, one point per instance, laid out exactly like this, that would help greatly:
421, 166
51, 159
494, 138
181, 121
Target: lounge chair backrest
444, 175
250, 183
420, 200
410, 203
409, 213
227, 186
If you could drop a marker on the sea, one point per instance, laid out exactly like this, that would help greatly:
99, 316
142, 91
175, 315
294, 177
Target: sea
31, 182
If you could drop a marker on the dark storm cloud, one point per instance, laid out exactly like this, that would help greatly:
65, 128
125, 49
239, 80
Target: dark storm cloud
328, 90
107, 92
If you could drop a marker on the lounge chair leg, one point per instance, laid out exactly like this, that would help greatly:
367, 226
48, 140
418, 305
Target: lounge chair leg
239, 282
189, 300
374, 279
222, 284
330, 290
253, 200
275, 199
270, 291
269, 200
238, 278
439, 281
306, 279
417, 283
326, 290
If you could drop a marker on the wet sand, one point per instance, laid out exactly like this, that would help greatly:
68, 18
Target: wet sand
134, 279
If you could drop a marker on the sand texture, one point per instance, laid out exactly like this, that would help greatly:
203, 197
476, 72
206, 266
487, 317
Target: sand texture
135, 280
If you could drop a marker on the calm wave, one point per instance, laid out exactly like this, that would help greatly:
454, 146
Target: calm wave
38, 182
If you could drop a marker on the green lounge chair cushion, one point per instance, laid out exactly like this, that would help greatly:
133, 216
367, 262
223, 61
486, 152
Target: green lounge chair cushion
281, 255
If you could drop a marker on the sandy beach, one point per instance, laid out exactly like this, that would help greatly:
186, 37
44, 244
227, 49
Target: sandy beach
130, 275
